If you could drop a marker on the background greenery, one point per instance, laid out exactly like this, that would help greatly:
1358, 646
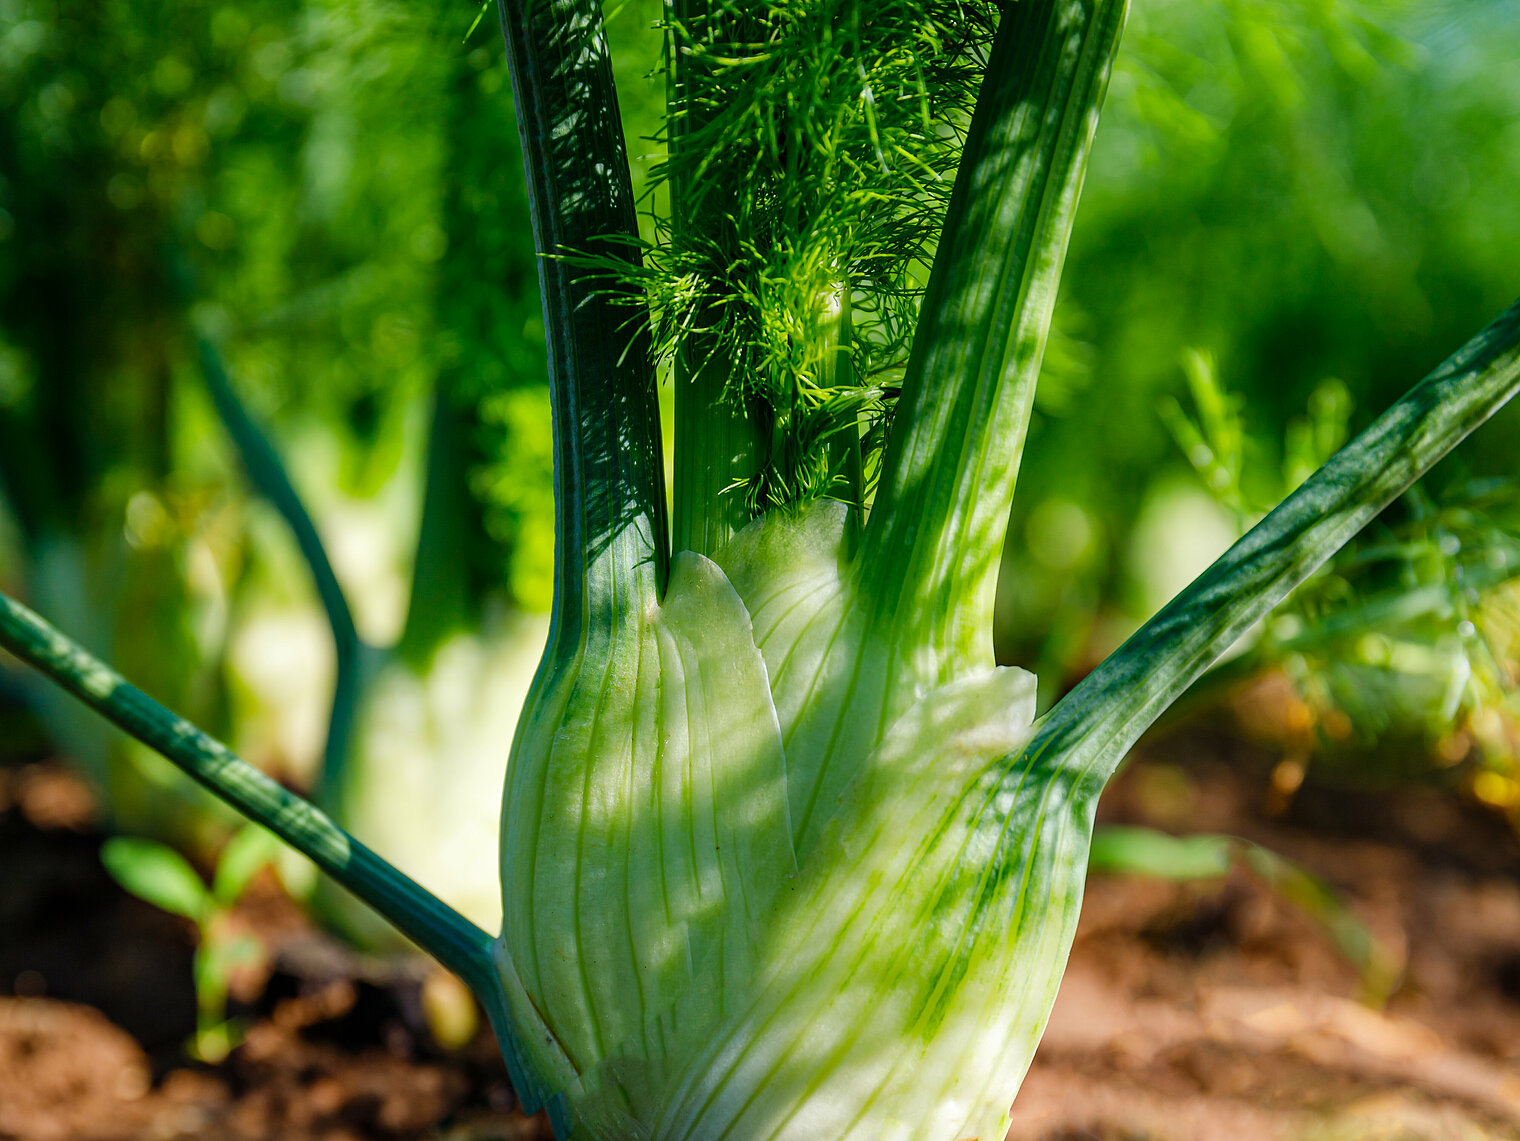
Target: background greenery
332, 191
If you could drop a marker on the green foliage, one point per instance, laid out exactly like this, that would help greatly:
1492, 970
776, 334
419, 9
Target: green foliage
1301, 190
812, 148
1390, 642
1229, 461
1395, 633
158, 874
313, 163
250, 850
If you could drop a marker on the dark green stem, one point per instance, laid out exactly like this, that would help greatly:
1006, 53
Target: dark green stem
612, 552
416, 912
457, 943
932, 546
267, 474
1093, 727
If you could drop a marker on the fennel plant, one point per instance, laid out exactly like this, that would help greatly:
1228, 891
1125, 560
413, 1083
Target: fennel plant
410, 750
1399, 647
784, 853
163, 131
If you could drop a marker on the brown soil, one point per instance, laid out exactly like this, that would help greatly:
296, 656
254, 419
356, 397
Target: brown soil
1191, 1012
97, 1006
1218, 1011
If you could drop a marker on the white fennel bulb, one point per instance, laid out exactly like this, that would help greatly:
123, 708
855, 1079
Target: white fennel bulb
693, 963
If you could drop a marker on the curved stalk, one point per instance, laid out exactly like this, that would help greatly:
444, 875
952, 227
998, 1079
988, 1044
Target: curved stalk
612, 551
417, 913
1096, 723
456, 942
267, 474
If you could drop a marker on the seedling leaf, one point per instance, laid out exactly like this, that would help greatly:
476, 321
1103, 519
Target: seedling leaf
1121, 850
249, 850
157, 874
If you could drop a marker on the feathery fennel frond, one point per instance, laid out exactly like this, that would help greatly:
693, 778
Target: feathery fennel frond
812, 149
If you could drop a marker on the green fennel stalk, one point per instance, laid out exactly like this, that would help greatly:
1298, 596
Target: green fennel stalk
413, 778
784, 854
411, 761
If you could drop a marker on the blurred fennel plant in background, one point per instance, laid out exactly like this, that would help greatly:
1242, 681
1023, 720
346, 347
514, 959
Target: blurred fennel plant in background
1400, 648
317, 263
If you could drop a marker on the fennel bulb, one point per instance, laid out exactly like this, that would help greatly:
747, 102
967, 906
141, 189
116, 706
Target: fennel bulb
691, 961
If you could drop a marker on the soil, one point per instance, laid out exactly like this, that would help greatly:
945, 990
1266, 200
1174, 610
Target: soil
1211, 1011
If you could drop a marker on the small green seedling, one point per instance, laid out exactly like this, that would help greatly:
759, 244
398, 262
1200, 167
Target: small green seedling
1123, 850
159, 875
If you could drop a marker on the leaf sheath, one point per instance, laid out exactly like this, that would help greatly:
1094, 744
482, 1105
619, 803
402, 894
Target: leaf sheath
612, 550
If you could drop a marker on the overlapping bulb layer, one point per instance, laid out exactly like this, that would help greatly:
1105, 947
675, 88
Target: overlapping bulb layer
763, 886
